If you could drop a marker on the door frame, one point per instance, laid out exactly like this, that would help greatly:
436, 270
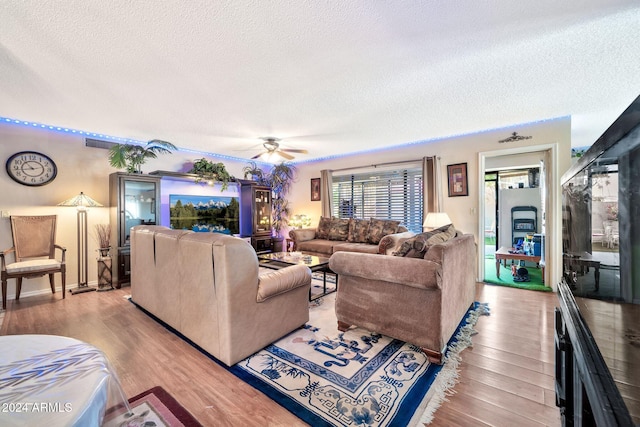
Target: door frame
553, 250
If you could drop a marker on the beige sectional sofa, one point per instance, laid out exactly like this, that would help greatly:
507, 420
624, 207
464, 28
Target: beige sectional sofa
373, 236
419, 298
206, 286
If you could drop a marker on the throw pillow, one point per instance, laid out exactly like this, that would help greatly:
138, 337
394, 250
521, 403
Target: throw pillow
378, 228
439, 235
417, 246
405, 247
322, 232
358, 230
339, 229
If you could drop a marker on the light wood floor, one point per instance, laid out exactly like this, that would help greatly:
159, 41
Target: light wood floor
505, 379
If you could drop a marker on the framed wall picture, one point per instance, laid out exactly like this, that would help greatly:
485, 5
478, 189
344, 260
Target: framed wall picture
458, 183
315, 189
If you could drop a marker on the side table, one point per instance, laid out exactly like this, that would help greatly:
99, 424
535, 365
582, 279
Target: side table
290, 245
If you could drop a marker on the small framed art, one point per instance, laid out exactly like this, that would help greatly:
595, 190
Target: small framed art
315, 189
458, 183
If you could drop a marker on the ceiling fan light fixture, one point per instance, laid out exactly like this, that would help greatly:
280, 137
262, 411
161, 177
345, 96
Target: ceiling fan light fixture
271, 157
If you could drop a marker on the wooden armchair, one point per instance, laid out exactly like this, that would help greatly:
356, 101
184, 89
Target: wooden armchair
34, 252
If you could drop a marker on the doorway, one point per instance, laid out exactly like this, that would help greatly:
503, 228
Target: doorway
513, 227
550, 217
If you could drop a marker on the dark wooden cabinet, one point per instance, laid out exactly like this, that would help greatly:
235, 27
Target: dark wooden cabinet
255, 215
134, 199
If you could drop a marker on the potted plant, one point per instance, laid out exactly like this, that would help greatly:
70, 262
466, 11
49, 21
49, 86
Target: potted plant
209, 172
280, 178
132, 156
254, 172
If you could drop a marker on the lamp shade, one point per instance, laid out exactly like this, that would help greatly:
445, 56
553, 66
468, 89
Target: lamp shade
80, 200
435, 220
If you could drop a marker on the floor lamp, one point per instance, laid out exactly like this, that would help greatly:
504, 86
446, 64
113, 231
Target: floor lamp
81, 202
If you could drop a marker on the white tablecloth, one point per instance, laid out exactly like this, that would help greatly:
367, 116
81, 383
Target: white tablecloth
48, 380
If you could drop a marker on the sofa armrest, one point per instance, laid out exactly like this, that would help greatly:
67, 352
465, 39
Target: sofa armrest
302, 234
277, 282
391, 242
414, 272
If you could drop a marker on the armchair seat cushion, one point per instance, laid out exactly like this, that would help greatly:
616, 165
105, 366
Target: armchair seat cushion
32, 265
355, 247
320, 246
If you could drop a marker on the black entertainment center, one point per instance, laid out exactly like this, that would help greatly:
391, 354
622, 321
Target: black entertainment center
597, 333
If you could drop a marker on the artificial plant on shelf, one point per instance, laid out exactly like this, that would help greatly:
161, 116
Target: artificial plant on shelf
209, 173
255, 172
133, 156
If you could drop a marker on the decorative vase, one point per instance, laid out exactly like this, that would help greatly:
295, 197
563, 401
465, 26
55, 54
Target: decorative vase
104, 270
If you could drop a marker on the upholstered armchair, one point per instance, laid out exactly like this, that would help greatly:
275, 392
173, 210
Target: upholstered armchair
417, 300
34, 251
207, 286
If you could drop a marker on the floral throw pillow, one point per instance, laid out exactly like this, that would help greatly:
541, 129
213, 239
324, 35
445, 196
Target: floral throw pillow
322, 232
339, 229
378, 228
358, 230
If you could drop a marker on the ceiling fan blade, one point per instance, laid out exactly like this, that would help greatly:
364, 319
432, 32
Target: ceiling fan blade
257, 156
294, 150
285, 155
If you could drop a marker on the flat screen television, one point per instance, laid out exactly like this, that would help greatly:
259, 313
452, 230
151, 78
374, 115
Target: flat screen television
204, 214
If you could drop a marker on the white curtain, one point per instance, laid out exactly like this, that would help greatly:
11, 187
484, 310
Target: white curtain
326, 193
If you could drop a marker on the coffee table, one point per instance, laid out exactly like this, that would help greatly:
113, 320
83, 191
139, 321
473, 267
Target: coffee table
505, 253
278, 260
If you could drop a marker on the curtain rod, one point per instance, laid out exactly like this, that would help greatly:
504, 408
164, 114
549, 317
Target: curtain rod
379, 164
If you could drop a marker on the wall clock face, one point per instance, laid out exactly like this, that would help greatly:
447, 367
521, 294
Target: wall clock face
31, 168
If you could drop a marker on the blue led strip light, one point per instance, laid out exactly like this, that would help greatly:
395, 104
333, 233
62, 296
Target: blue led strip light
238, 159
112, 138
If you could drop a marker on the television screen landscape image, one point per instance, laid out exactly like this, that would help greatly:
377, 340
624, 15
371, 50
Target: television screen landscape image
208, 214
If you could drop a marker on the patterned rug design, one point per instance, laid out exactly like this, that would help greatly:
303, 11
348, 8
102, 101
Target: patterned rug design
327, 377
152, 408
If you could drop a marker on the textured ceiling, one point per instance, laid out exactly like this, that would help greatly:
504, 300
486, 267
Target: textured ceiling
331, 77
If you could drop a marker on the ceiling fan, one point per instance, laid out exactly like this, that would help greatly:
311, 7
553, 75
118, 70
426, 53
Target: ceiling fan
273, 149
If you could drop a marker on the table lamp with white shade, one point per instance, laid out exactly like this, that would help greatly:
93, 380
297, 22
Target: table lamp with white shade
435, 220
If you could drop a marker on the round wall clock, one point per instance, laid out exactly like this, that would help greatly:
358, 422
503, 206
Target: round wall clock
31, 168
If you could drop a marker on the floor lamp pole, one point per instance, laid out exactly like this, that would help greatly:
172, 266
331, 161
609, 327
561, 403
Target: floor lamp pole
81, 202
83, 285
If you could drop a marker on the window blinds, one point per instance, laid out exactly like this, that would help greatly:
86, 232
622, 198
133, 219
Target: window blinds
393, 194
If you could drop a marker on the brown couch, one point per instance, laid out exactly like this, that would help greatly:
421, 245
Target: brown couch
206, 286
417, 300
350, 235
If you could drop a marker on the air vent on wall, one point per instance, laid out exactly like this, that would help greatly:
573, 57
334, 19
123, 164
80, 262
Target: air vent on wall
97, 143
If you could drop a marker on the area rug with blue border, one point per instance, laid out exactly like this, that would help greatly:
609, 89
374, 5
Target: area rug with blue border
328, 378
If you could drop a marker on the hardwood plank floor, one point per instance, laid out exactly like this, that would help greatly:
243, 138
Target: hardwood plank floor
506, 378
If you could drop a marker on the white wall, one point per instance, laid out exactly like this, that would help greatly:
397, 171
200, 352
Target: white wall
509, 198
463, 211
80, 168
461, 149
